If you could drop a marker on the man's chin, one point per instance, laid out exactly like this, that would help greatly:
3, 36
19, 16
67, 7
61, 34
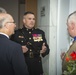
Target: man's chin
13, 33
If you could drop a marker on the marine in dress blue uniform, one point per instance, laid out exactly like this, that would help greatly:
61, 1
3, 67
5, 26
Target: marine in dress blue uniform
33, 38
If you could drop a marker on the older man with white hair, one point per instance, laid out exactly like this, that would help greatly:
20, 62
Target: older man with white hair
12, 60
71, 27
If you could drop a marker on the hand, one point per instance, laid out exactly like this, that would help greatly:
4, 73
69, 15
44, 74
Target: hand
24, 49
43, 48
62, 55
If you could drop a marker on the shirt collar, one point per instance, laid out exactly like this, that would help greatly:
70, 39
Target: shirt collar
75, 38
28, 29
4, 34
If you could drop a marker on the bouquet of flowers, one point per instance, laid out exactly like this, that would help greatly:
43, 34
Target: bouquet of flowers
71, 64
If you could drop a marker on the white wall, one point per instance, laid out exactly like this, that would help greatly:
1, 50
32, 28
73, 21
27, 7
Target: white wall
48, 23
53, 37
43, 23
72, 6
11, 6
62, 35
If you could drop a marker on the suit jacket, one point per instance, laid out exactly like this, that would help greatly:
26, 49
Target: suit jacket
71, 49
11, 58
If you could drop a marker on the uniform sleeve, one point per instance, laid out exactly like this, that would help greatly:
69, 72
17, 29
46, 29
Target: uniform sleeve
45, 41
18, 61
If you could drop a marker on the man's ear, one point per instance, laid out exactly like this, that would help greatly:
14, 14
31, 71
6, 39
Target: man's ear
6, 25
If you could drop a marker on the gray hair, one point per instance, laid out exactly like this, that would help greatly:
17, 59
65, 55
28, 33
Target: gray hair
2, 10
3, 20
72, 17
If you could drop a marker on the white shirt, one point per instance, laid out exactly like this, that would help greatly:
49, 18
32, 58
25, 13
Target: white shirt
4, 34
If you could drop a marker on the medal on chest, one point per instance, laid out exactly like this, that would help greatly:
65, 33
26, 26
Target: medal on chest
37, 37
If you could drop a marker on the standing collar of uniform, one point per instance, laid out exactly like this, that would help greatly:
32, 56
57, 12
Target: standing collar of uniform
4, 34
75, 38
28, 29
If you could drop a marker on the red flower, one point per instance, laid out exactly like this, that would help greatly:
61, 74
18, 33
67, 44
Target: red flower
67, 59
73, 55
70, 64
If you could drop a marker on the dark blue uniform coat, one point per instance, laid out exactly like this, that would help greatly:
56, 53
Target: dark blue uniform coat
33, 39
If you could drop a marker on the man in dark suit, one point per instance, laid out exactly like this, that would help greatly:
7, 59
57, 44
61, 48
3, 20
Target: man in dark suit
33, 43
11, 57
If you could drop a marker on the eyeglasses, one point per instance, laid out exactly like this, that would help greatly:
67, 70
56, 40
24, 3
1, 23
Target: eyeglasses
11, 22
